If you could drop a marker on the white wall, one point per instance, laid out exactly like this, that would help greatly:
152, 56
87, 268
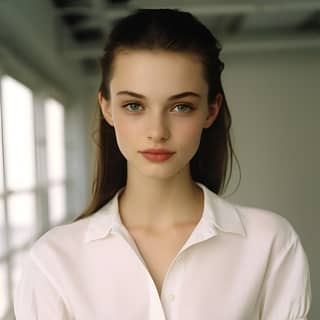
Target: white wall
274, 100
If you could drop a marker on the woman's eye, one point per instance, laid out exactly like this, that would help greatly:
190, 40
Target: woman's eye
184, 107
129, 105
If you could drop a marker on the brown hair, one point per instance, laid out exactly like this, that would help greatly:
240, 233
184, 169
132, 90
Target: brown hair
176, 31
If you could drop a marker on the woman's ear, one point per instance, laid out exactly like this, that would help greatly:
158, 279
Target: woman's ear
105, 108
213, 110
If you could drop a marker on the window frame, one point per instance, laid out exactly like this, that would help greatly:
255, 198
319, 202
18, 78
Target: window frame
42, 185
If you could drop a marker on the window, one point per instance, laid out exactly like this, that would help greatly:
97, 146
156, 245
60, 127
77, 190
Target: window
4, 294
32, 177
18, 141
2, 229
17, 104
54, 119
22, 218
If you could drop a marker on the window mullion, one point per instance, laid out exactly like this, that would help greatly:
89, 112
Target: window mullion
5, 205
42, 204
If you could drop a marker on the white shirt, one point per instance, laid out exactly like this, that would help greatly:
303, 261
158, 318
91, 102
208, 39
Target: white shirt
239, 263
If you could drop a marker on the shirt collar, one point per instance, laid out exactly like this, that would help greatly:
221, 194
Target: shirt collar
217, 214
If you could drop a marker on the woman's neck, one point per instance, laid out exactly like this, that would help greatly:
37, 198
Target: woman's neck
162, 207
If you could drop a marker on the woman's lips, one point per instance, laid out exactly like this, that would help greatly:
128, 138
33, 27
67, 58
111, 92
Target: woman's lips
157, 157
157, 151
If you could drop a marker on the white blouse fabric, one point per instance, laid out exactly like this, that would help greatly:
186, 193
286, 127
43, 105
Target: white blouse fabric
239, 263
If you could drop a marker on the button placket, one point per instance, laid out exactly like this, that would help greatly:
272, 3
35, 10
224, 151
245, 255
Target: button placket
171, 286
156, 310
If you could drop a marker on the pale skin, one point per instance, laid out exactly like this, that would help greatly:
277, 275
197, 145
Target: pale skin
161, 205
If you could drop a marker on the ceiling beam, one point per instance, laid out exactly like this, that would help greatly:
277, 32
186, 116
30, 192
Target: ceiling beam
230, 44
230, 8
271, 42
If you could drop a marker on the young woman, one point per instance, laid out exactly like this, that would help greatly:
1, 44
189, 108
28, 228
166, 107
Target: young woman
157, 241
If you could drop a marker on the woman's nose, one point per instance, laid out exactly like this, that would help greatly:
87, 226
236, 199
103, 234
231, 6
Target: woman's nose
158, 128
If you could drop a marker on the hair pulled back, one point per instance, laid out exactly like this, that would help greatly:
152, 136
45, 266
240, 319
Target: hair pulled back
175, 31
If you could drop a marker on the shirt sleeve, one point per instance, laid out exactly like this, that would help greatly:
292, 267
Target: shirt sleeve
35, 296
287, 289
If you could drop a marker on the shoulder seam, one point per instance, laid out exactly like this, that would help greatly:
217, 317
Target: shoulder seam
49, 278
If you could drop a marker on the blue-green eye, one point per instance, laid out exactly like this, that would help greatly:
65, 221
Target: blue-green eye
184, 105
133, 107
131, 104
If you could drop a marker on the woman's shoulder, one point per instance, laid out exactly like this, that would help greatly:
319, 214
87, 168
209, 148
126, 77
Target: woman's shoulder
258, 224
267, 225
63, 239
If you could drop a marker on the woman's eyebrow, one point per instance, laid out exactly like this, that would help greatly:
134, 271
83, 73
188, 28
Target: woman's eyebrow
176, 96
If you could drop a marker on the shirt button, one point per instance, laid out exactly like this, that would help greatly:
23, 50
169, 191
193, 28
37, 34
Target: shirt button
171, 297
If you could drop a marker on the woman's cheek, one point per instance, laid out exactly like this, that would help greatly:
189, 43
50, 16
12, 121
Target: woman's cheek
126, 135
190, 130
123, 133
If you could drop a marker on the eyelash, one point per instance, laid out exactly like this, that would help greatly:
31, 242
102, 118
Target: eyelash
180, 104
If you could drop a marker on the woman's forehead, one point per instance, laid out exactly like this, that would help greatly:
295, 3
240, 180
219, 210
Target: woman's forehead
156, 55
157, 67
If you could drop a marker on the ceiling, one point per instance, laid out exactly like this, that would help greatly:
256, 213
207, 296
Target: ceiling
239, 25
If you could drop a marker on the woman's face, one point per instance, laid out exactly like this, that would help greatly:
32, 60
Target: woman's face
158, 99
